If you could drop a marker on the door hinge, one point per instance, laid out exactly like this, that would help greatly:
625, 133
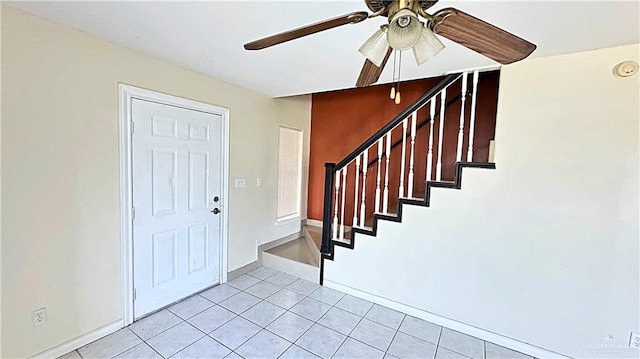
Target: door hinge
133, 213
133, 127
134, 294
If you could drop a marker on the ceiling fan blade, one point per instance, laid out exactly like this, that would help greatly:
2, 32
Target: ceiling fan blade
276, 39
370, 73
480, 36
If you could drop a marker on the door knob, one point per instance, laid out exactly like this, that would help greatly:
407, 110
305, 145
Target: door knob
215, 211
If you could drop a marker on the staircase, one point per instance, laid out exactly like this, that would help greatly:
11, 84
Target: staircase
374, 183
387, 172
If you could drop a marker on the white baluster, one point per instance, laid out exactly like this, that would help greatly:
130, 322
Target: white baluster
404, 148
335, 209
463, 94
377, 207
385, 200
355, 200
443, 105
365, 165
432, 115
473, 116
413, 142
344, 191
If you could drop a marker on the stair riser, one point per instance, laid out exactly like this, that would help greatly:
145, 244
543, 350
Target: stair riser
290, 266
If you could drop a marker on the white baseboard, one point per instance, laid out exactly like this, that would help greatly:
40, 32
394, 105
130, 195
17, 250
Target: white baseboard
242, 270
276, 242
313, 222
80, 341
316, 223
498, 339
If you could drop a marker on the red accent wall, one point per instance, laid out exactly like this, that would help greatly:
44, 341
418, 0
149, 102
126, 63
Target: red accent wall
342, 120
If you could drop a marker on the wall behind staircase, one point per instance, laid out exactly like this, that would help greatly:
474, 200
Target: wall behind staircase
342, 120
545, 248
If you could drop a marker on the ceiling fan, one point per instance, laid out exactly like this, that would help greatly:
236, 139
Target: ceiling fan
405, 30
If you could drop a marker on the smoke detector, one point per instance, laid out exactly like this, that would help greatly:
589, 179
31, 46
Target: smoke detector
625, 69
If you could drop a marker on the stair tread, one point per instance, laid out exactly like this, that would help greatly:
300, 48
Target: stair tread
296, 250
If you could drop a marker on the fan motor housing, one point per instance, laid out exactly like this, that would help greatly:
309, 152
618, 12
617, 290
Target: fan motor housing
386, 5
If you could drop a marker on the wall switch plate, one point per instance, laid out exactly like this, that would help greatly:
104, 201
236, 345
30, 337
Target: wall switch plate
634, 341
259, 182
39, 316
241, 182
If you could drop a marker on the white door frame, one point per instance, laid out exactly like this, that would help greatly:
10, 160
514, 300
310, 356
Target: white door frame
127, 93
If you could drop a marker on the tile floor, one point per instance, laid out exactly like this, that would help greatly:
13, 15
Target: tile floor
269, 314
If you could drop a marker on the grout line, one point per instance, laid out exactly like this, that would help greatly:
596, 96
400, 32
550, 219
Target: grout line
313, 322
261, 300
396, 333
354, 328
287, 310
435, 353
208, 336
143, 342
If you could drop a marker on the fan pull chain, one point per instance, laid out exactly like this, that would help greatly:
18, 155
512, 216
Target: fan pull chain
397, 97
392, 94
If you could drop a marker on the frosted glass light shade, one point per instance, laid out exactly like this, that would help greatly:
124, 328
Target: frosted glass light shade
428, 45
404, 30
376, 47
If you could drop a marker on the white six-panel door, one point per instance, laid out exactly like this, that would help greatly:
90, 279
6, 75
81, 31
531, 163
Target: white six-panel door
177, 177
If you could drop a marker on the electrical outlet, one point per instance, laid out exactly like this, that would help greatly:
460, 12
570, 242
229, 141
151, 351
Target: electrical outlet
39, 316
241, 182
634, 341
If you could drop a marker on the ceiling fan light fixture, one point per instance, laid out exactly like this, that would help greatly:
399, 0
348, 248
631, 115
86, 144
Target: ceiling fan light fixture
428, 46
404, 30
376, 47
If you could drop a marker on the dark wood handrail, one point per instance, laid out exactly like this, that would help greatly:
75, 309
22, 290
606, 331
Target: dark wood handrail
416, 105
418, 126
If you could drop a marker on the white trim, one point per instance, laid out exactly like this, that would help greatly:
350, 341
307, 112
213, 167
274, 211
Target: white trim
127, 93
299, 189
288, 220
449, 323
80, 341
314, 223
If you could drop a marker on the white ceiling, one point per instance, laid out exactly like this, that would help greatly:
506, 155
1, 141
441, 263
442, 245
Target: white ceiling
208, 36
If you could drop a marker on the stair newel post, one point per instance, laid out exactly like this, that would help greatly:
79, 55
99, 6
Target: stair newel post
354, 223
365, 164
387, 155
413, 142
472, 121
432, 115
335, 206
463, 97
404, 150
377, 208
344, 191
325, 248
443, 105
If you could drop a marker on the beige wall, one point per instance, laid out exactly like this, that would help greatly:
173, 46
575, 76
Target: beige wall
60, 167
544, 249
